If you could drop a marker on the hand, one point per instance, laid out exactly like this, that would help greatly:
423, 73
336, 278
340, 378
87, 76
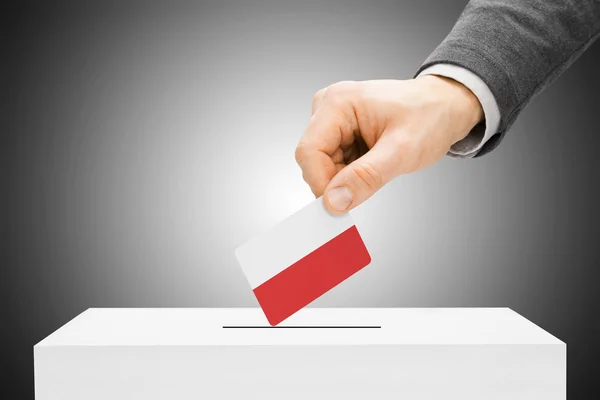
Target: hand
361, 135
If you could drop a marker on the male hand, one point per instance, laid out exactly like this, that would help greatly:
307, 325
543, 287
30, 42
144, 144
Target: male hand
361, 135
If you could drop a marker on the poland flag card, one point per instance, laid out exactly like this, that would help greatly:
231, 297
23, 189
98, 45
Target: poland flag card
300, 259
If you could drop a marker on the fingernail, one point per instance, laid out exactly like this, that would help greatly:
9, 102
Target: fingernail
340, 198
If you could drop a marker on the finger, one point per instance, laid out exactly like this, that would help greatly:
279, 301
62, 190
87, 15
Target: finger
318, 168
331, 127
319, 150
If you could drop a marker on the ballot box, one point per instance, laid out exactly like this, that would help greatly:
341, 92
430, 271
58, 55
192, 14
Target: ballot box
334, 353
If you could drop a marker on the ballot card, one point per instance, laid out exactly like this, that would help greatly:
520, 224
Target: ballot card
300, 259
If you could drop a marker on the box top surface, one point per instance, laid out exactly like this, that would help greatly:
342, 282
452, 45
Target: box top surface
310, 326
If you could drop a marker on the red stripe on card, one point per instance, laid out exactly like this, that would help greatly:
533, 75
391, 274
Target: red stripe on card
313, 275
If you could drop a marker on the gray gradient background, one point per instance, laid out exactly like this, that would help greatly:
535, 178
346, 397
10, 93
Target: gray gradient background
142, 143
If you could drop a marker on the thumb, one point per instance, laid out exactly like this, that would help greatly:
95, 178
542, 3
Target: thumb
358, 181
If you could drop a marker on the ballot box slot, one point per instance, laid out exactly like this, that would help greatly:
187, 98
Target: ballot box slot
302, 327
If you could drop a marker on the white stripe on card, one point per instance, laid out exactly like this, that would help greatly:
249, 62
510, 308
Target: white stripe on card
308, 229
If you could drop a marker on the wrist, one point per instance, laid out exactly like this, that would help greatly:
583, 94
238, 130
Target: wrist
465, 107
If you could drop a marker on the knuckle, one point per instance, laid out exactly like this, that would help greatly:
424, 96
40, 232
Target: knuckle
341, 94
337, 100
300, 152
368, 175
339, 88
318, 95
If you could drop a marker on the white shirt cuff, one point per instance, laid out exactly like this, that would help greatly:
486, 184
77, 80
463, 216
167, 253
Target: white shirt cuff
470, 145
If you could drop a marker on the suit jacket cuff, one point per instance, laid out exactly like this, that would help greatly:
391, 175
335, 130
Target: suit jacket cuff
472, 144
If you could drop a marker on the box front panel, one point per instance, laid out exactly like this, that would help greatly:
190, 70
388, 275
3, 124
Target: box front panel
465, 372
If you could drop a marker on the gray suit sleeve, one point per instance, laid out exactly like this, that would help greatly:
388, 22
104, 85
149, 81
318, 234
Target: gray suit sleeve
518, 47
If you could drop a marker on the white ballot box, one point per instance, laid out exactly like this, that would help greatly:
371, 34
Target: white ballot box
343, 353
